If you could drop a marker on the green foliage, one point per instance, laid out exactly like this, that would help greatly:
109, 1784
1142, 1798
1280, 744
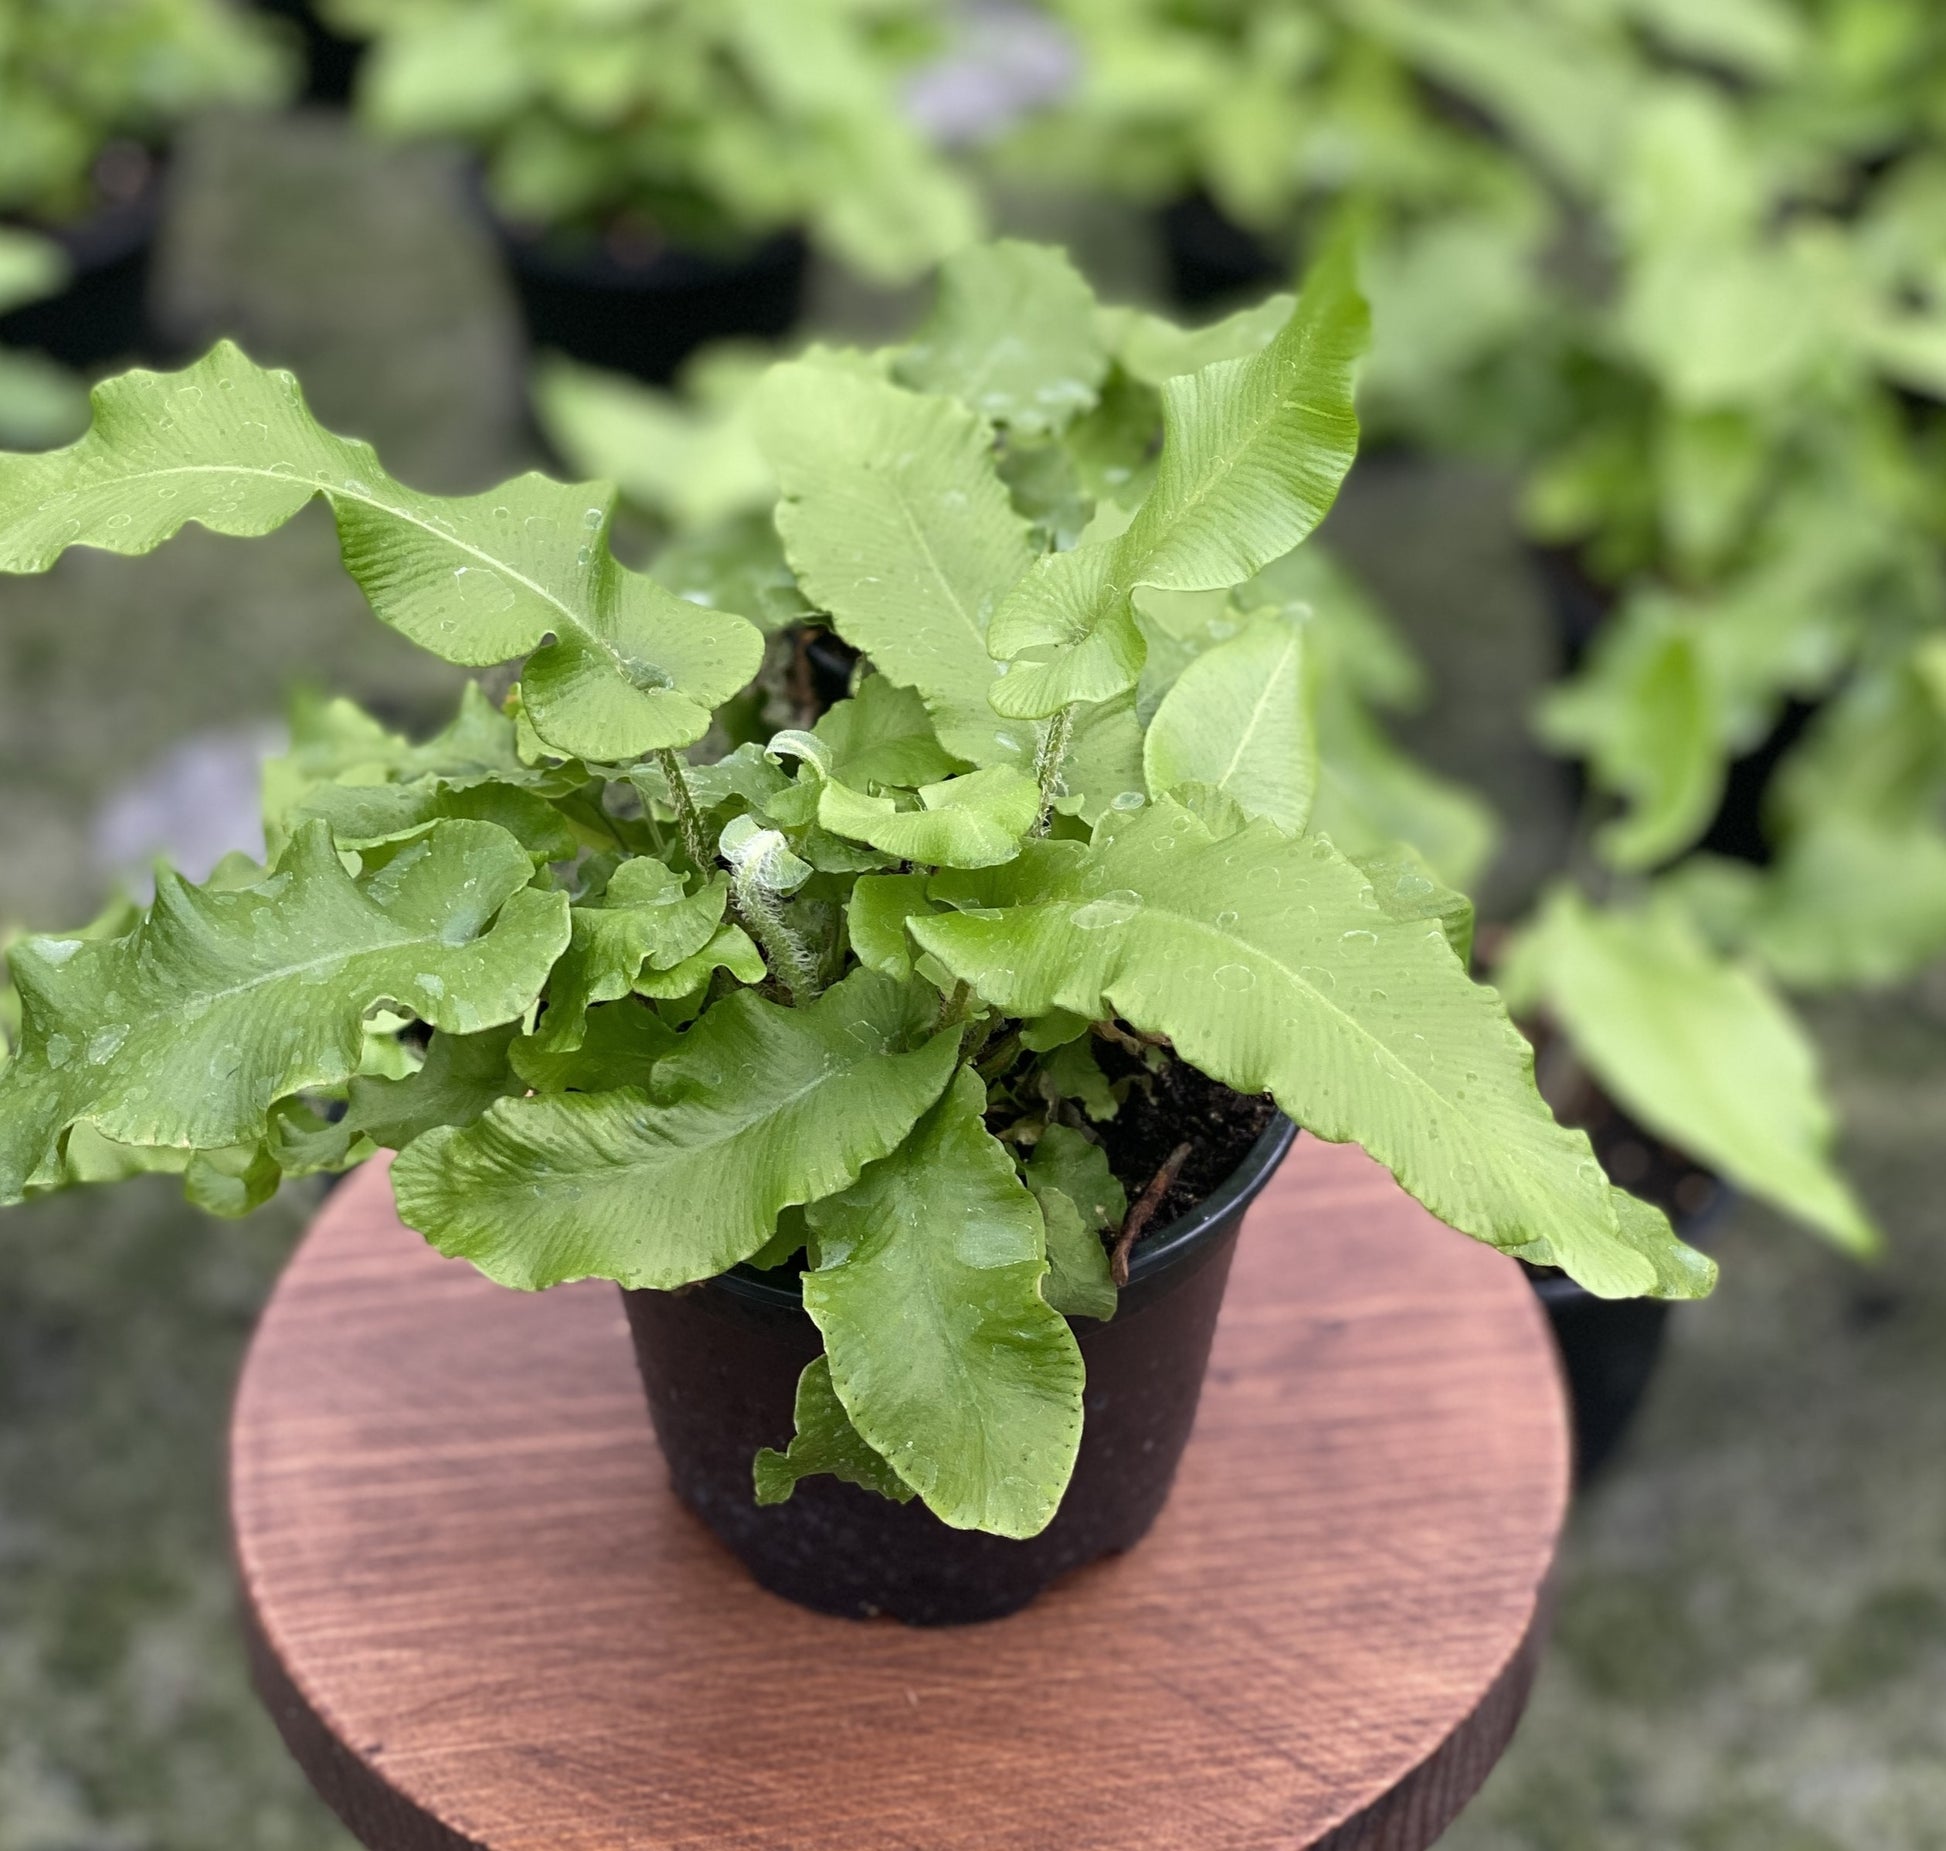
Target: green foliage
228, 998
1081, 1201
1253, 452
946, 1230
897, 524
1238, 720
705, 121
1678, 265
1347, 1015
758, 1108
834, 987
1014, 337
1696, 1048
74, 79
476, 579
826, 1443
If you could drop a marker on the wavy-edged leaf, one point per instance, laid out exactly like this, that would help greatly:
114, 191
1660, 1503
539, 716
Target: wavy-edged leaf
461, 1077
1080, 1199
620, 1044
974, 821
1080, 1281
475, 579
1013, 336
1072, 1162
1074, 1073
373, 815
896, 523
730, 948
1700, 1050
1073, 611
1238, 720
1409, 890
1154, 350
233, 1182
972, 1393
225, 1000
334, 741
1253, 453
875, 917
645, 919
758, 1108
1272, 967
882, 736
825, 1444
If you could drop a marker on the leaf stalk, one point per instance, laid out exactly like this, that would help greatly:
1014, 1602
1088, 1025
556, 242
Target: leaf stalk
762, 916
1048, 760
687, 816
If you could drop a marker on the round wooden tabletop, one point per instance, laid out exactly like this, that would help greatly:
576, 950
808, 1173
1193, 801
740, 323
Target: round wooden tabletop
481, 1619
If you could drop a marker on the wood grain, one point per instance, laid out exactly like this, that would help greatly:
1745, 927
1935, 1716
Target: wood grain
481, 1620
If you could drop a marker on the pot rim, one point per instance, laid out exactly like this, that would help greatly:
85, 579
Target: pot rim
1154, 1255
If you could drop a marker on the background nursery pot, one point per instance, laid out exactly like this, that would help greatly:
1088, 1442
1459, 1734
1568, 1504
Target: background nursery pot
103, 313
1211, 258
646, 314
1610, 1347
721, 1362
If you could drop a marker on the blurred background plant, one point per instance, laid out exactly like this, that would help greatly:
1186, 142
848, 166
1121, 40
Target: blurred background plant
91, 92
1680, 267
700, 123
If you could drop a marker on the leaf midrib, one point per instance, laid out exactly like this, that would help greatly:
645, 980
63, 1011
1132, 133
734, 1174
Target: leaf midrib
924, 544
1449, 1110
413, 942
823, 1077
319, 486
921, 1280
1192, 501
1257, 711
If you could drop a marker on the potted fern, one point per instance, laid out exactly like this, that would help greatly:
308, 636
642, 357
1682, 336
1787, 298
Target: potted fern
818, 1043
90, 96
654, 173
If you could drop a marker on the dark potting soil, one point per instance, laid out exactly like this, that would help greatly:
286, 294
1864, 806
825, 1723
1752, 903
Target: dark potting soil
1178, 1106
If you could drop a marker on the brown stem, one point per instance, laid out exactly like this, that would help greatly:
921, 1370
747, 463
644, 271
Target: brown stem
1143, 1212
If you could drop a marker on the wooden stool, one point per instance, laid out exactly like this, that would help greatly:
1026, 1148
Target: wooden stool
482, 1621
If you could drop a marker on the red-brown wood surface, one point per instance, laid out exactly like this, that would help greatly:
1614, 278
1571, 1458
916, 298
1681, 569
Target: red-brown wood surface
481, 1619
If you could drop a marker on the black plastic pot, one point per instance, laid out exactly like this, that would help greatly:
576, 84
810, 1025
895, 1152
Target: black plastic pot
1610, 1346
721, 1361
646, 314
1211, 258
330, 61
103, 313
830, 660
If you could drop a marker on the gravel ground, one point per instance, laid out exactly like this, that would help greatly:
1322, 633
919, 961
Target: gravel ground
1751, 1653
